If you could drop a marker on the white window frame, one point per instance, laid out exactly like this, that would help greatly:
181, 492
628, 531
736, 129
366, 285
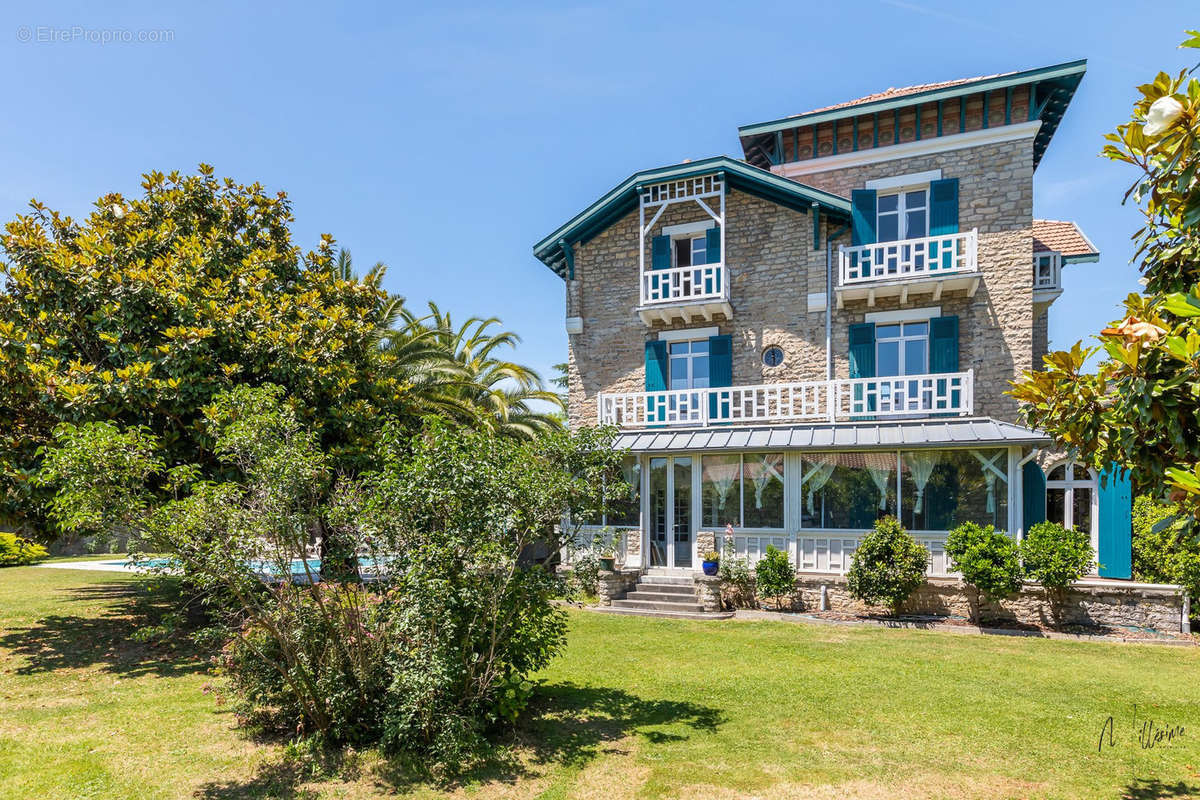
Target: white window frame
902, 339
741, 489
901, 211
1069, 484
690, 240
691, 357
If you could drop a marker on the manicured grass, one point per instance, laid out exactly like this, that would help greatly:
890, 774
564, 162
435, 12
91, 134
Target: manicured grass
636, 708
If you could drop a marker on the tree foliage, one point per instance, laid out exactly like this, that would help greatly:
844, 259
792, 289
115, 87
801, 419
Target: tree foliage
1141, 407
426, 653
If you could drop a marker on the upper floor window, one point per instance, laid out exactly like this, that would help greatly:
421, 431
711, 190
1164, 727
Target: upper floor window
903, 215
902, 348
691, 251
689, 364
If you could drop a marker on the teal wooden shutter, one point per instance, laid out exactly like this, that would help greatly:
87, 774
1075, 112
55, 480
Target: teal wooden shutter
656, 378
862, 216
943, 344
712, 243
1116, 524
1033, 494
862, 350
660, 252
943, 357
862, 360
943, 207
720, 374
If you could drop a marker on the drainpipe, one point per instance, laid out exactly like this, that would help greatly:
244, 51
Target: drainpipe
829, 310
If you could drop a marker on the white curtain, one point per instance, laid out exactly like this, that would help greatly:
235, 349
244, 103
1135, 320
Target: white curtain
816, 476
721, 475
920, 463
760, 470
881, 466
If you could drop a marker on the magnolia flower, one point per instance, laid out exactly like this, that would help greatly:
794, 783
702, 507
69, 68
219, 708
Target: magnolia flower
1133, 328
1162, 115
118, 211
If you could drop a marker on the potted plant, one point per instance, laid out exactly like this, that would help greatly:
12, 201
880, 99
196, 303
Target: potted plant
712, 562
604, 548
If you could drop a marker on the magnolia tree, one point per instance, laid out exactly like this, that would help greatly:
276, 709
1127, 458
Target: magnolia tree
1141, 407
426, 640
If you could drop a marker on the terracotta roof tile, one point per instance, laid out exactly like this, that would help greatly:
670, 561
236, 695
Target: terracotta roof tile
1062, 237
887, 94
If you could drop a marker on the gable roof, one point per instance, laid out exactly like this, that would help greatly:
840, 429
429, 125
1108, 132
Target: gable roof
1063, 236
1056, 86
623, 197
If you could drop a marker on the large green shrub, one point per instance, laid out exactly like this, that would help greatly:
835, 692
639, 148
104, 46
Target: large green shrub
16, 551
1055, 556
774, 577
988, 559
888, 565
428, 656
1165, 549
737, 581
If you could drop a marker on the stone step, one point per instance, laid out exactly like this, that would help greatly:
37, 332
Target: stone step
660, 597
655, 605
665, 588
637, 612
668, 580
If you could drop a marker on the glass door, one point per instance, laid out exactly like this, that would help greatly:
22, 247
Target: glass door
670, 521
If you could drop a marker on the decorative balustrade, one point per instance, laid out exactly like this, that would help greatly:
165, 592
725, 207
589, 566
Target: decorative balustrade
823, 551
949, 393
928, 257
1047, 270
703, 282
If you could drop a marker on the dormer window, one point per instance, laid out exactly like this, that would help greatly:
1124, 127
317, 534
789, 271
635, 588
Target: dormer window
902, 215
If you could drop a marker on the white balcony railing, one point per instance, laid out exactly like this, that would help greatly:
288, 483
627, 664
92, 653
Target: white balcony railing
1047, 270
929, 257
702, 283
951, 393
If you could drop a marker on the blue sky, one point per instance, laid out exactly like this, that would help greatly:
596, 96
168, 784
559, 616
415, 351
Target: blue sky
446, 139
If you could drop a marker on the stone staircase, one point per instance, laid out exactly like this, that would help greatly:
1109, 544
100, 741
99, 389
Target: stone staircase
662, 593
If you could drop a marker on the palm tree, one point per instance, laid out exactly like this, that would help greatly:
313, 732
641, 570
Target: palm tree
504, 394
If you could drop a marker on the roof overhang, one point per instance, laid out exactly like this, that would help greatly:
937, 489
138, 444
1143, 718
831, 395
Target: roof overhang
905, 435
555, 250
1056, 86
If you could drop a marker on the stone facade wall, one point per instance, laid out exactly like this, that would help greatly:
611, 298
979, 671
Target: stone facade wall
773, 268
1041, 338
1092, 603
995, 195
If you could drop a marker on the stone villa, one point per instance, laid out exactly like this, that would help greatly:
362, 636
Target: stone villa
821, 332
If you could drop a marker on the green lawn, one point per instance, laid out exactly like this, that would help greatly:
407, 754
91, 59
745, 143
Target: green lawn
636, 708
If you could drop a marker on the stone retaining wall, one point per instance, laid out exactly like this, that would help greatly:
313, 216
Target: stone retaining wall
1094, 603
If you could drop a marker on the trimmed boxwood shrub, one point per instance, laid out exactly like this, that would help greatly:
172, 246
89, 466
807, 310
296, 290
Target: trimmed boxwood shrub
773, 575
1055, 556
888, 566
988, 559
16, 551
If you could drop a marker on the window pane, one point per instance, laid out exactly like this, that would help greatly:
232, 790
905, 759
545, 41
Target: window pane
915, 225
940, 489
847, 491
1080, 472
1081, 510
762, 488
916, 329
679, 373
888, 202
887, 359
914, 199
915, 351
700, 346
1056, 504
719, 491
888, 228
683, 253
887, 331
1058, 473
699, 251
626, 509
679, 348
700, 372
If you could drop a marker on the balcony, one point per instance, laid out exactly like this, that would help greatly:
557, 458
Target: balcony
687, 293
907, 396
929, 265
